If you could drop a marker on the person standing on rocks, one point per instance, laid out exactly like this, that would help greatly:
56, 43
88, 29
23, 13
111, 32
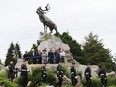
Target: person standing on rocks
39, 56
59, 67
57, 55
88, 76
26, 56
43, 73
73, 74
62, 55
33, 55
11, 70
24, 74
51, 57
59, 75
102, 76
44, 57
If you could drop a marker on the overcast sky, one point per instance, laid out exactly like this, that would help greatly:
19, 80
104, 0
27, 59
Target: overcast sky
20, 23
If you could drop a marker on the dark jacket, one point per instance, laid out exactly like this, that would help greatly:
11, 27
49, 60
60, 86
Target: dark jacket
50, 54
11, 67
102, 73
73, 71
87, 72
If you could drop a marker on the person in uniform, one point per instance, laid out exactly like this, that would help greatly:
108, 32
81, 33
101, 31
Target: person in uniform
11, 70
16, 72
59, 67
60, 78
59, 75
102, 76
88, 76
43, 73
24, 74
73, 74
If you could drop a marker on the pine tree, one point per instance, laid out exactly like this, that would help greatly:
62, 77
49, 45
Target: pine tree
17, 51
75, 47
10, 54
94, 51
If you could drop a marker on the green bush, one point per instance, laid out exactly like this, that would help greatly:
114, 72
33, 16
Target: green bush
96, 82
111, 81
51, 79
67, 85
113, 86
35, 77
3, 75
79, 73
6, 83
65, 71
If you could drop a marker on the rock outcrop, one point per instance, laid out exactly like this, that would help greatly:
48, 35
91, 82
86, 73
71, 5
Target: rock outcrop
79, 84
111, 74
49, 41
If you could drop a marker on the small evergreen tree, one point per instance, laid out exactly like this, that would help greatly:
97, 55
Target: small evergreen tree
17, 51
10, 54
94, 51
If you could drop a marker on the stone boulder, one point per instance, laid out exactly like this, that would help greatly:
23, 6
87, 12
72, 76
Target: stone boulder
49, 41
95, 68
79, 84
111, 74
1, 67
19, 63
83, 67
4, 69
66, 80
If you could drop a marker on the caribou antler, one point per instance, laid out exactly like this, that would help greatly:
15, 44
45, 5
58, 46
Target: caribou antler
47, 7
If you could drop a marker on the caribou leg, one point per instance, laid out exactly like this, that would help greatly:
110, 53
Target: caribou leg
45, 29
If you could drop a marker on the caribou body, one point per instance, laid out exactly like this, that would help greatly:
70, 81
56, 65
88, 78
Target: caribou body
45, 20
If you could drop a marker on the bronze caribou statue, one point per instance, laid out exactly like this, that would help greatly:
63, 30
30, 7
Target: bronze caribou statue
45, 20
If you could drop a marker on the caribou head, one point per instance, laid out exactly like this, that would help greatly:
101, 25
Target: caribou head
43, 11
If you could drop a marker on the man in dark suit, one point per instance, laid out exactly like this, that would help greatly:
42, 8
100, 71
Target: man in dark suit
33, 55
51, 56
39, 56
26, 56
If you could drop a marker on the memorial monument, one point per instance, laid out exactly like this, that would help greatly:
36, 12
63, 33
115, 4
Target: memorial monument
45, 20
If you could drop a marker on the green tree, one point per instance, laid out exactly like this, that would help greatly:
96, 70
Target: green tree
75, 47
94, 51
1, 62
17, 51
10, 55
35, 46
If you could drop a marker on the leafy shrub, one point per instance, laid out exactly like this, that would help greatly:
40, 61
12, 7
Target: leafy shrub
35, 77
6, 83
112, 81
79, 73
65, 71
97, 83
51, 79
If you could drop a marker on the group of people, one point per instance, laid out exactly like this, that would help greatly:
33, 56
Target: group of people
12, 73
41, 57
101, 75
